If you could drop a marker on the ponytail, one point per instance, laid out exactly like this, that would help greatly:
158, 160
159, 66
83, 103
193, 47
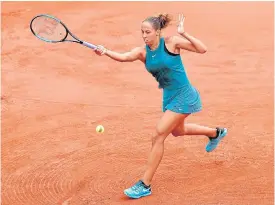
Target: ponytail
164, 20
159, 22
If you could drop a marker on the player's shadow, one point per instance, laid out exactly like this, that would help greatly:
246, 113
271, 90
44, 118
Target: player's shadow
126, 198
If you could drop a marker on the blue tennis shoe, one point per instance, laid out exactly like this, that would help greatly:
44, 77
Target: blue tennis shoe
213, 142
138, 190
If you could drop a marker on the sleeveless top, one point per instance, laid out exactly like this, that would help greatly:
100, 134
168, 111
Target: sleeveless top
166, 67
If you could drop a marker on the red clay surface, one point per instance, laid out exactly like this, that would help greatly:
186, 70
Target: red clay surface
54, 95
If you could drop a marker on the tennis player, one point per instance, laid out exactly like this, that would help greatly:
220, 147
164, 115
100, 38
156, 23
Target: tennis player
161, 56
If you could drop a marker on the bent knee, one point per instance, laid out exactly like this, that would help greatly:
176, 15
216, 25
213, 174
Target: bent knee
178, 132
159, 136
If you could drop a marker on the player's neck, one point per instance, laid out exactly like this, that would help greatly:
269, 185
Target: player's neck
155, 45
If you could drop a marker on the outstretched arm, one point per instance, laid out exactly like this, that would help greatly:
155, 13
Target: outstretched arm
189, 42
133, 55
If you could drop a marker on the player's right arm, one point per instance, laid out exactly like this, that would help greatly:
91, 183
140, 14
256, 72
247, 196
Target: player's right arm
130, 56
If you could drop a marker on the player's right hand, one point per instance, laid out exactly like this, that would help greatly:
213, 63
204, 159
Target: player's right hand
100, 50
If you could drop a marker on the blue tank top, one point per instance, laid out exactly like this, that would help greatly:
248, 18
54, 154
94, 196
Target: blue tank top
167, 68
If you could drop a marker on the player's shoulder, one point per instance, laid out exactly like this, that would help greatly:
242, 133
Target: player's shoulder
171, 39
140, 49
168, 39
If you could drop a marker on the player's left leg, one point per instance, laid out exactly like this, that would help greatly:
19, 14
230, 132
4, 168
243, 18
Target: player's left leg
215, 135
165, 126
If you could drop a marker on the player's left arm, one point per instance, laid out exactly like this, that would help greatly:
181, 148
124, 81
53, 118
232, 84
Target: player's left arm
190, 43
186, 41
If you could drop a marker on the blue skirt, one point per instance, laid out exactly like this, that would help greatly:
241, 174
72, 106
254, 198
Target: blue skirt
183, 100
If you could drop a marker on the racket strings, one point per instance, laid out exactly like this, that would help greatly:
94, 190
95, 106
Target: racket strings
49, 29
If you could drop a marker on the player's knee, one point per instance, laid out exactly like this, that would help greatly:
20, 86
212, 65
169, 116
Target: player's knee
159, 136
157, 139
178, 132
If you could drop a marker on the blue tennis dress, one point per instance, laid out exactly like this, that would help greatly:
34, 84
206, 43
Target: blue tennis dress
179, 95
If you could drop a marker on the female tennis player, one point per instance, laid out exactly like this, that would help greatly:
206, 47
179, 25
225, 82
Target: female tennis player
161, 56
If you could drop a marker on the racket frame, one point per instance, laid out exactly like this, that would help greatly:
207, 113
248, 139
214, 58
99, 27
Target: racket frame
77, 40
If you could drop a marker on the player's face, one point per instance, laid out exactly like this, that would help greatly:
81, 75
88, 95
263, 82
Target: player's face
149, 34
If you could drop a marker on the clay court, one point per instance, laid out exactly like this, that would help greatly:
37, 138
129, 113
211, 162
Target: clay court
54, 96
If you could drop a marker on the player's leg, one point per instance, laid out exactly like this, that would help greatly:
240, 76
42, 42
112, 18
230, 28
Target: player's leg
193, 129
214, 134
167, 123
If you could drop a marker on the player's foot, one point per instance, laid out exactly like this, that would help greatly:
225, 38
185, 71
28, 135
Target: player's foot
138, 190
213, 142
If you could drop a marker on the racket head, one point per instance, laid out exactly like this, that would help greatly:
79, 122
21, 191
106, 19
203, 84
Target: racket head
48, 28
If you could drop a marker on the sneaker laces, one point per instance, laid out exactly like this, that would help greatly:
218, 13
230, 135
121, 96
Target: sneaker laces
138, 186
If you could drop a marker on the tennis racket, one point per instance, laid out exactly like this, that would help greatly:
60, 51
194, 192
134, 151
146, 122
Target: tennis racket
52, 30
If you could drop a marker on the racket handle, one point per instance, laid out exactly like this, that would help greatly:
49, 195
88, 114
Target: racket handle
89, 45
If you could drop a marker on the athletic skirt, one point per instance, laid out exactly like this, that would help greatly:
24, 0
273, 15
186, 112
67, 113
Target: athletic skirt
183, 100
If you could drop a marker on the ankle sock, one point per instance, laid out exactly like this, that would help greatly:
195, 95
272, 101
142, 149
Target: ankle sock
218, 132
146, 186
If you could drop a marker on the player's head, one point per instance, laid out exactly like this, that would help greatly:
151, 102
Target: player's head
152, 26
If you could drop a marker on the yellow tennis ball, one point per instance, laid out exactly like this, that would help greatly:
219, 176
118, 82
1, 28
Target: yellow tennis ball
99, 129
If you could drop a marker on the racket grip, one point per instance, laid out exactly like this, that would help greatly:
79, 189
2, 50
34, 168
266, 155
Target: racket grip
89, 45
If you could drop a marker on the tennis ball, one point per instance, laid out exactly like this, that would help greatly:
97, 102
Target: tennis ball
99, 129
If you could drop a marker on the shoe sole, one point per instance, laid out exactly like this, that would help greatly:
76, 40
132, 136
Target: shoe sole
137, 197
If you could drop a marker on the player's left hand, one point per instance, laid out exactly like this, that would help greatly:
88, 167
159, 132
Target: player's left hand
180, 25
